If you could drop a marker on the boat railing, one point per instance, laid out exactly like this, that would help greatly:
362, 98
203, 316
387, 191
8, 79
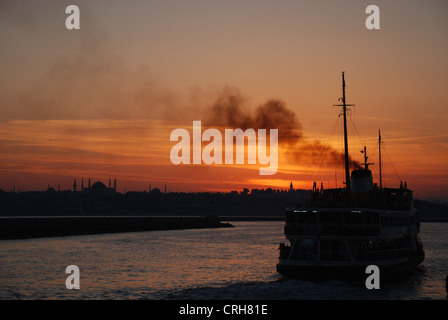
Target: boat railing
378, 198
332, 255
301, 252
384, 254
331, 229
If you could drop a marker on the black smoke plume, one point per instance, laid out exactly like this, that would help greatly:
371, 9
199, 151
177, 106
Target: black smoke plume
229, 110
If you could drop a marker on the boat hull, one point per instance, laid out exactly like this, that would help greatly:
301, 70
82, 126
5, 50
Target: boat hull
389, 270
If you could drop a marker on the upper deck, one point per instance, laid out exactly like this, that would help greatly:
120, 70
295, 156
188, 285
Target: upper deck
376, 198
343, 222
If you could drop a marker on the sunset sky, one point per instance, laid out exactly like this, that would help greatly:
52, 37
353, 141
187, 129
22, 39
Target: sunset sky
101, 101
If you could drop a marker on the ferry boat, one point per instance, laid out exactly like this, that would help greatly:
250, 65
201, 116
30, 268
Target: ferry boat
344, 230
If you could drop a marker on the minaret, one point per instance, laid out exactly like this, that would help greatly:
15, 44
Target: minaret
82, 184
291, 187
89, 183
115, 184
109, 182
74, 185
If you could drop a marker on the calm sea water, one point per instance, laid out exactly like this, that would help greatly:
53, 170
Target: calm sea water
229, 263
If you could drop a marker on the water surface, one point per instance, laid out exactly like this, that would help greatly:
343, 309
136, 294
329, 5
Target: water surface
227, 263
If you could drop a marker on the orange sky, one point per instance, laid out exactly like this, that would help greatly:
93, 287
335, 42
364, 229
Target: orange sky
101, 101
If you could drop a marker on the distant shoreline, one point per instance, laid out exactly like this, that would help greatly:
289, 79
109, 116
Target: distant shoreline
27, 227
13, 228
434, 220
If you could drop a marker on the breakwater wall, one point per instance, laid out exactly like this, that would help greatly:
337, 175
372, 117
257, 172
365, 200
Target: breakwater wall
34, 227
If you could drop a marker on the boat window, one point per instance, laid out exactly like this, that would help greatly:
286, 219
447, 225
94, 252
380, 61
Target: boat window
330, 217
371, 218
333, 250
308, 217
305, 249
352, 217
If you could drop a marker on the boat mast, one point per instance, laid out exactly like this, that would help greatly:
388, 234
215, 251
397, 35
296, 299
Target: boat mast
366, 165
344, 113
379, 147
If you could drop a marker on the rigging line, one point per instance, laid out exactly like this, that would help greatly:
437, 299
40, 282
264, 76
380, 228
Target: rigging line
323, 153
341, 163
356, 129
393, 167
340, 143
341, 139
375, 168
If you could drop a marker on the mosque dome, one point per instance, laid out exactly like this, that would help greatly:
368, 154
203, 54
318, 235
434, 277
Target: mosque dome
98, 186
